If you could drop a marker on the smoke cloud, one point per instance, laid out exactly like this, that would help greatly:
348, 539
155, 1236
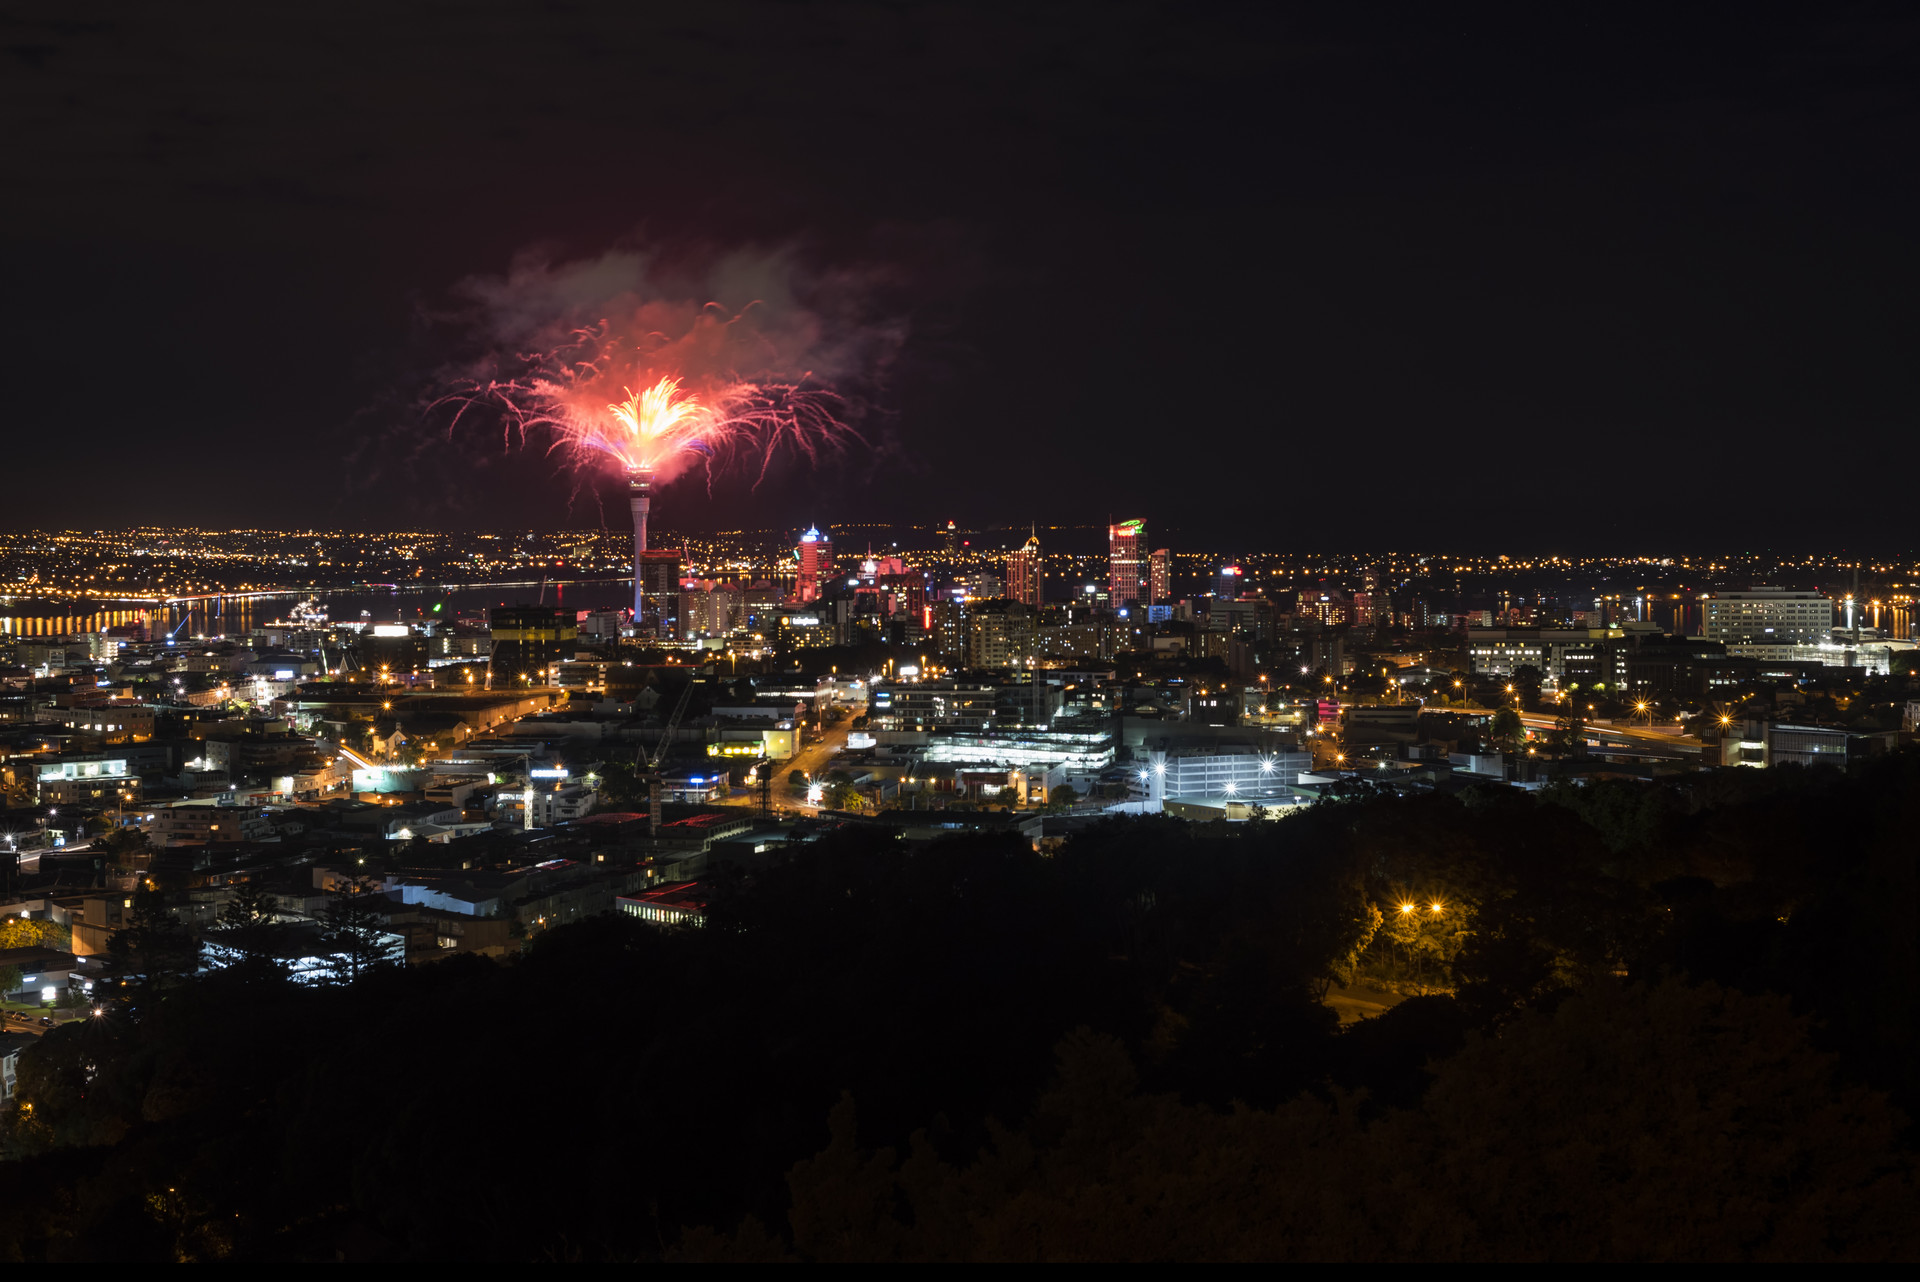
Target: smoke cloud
779, 360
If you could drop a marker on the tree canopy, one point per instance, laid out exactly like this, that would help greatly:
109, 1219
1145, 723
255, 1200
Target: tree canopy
1635, 1020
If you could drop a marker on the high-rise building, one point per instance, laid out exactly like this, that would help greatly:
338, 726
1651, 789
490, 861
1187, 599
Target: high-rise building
980, 586
659, 577
1023, 572
1228, 582
815, 555
947, 625
1002, 634
952, 540
1159, 576
1767, 616
527, 641
1326, 609
1126, 564
709, 610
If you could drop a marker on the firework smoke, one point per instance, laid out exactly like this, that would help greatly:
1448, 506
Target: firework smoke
611, 362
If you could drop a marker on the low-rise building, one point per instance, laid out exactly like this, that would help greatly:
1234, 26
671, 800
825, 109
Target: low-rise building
45, 973
202, 822
683, 903
11, 1044
302, 948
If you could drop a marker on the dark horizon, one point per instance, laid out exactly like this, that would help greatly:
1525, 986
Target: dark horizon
1303, 275
1082, 538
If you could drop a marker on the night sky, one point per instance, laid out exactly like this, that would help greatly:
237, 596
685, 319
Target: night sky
1563, 277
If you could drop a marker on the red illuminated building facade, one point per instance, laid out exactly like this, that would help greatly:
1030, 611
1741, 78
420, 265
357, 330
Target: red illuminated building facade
1126, 564
1023, 573
815, 557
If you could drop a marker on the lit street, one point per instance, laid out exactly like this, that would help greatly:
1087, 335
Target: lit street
814, 759
475, 470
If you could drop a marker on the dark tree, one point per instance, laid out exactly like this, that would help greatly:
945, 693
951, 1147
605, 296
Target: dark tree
155, 949
353, 929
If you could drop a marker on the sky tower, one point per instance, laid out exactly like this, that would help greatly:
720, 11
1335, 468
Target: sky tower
639, 499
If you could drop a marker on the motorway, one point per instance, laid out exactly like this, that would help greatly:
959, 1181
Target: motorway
1671, 737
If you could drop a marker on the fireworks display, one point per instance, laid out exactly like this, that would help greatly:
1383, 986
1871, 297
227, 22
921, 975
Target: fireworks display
658, 402
654, 387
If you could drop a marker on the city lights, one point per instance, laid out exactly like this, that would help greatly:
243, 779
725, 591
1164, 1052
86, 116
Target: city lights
1448, 430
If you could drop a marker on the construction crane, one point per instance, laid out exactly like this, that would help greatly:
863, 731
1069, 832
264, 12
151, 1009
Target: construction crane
673, 723
654, 758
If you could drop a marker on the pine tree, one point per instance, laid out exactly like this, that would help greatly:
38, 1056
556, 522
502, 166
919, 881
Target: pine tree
353, 928
154, 946
250, 906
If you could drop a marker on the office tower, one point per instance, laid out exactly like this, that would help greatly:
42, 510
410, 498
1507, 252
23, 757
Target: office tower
980, 586
658, 572
1767, 616
1159, 576
1002, 634
527, 640
951, 540
710, 610
1023, 572
1227, 583
1126, 564
947, 625
815, 555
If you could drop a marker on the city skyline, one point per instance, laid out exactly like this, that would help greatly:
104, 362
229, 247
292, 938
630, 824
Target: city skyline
1057, 631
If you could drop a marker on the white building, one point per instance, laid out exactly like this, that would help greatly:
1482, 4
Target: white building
1237, 771
1501, 652
1767, 616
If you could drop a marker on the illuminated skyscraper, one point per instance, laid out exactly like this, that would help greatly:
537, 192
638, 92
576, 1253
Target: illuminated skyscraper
815, 555
1159, 576
1126, 564
528, 640
952, 535
1227, 584
1023, 572
1369, 607
658, 574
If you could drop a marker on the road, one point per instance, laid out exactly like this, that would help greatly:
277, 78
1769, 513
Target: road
1359, 1002
814, 759
1670, 737
28, 1024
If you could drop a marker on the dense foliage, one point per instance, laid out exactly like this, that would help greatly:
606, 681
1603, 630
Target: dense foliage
1667, 1021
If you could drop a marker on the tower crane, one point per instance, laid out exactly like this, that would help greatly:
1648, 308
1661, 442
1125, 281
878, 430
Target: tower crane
673, 723
654, 758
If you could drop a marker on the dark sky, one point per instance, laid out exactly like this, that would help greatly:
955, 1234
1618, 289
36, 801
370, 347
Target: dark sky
1580, 277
